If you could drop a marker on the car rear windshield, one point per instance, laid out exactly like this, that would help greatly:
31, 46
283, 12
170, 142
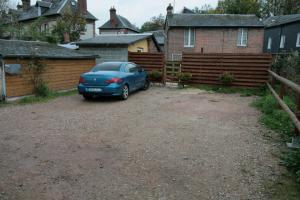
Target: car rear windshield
107, 67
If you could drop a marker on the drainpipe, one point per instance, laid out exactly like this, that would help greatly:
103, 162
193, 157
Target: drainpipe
2, 68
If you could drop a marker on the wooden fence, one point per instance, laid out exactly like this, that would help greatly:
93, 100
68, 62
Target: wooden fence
249, 70
148, 61
294, 116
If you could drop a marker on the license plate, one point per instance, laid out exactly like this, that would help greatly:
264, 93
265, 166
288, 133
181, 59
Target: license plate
93, 89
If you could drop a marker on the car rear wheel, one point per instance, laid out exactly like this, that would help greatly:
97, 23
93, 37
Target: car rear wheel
125, 92
87, 97
146, 85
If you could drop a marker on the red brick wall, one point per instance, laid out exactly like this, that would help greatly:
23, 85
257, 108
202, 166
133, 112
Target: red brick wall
152, 47
214, 40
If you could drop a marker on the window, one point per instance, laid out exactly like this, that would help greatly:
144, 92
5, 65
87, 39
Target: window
242, 37
298, 40
109, 66
140, 49
131, 68
269, 43
282, 41
189, 37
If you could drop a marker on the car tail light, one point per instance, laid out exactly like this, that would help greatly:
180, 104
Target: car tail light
114, 80
81, 79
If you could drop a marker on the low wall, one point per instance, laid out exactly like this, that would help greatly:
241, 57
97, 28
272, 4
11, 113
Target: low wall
59, 75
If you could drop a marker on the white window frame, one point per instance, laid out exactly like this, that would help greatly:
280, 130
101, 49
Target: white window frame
244, 32
269, 43
282, 42
189, 37
298, 40
140, 50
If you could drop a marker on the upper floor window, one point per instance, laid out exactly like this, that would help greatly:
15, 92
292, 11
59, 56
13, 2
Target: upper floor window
242, 37
269, 43
189, 37
298, 40
282, 41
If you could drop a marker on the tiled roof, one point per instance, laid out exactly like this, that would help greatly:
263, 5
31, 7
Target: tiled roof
160, 36
114, 39
122, 22
28, 49
213, 20
55, 8
280, 20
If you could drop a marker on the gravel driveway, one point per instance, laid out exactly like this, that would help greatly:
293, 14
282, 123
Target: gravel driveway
160, 144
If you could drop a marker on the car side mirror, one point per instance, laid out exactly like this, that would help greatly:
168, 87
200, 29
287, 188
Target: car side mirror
141, 70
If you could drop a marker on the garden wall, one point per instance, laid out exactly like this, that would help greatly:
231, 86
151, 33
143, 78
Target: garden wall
59, 75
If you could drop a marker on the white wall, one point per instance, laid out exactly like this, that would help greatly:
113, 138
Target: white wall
89, 33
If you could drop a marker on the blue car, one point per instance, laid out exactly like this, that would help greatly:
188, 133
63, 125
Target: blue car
113, 79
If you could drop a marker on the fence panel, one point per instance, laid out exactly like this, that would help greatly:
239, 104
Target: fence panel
148, 61
249, 70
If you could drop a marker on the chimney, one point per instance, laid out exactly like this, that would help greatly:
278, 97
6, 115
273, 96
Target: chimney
113, 17
19, 7
170, 10
25, 4
82, 7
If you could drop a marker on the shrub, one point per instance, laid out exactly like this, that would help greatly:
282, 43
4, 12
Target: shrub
291, 160
183, 78
227, 78
42, 90
155, 75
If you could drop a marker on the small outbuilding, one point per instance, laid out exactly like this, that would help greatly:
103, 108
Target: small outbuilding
62, 66
115, 47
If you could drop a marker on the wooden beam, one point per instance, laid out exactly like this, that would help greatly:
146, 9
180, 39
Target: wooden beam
287, 82
292, 115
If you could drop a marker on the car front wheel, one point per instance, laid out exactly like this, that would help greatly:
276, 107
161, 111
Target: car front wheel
146, 85
125, 92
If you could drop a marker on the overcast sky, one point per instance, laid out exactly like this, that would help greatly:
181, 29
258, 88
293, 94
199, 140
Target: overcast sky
137, 11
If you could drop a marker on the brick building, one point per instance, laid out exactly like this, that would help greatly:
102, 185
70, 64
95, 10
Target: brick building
212, 33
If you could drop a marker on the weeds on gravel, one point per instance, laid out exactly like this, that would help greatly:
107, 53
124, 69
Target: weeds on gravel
44, 98
244, 92
278, 120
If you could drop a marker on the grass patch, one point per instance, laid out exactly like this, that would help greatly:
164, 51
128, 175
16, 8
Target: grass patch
245, 92
38, 99
278, 120
44, 98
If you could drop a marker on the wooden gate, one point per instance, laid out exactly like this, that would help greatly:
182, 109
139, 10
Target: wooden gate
172, 68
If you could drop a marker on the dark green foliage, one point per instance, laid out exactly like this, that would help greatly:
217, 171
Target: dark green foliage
155, 75
156, 23
291, 160
42, 90
227, 78
239, 7
70, 23
183, 78
288, 66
